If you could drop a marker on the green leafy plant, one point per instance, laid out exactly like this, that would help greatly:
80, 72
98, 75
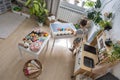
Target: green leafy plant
38, 8
89, 3
106, 25
16, 8
77, 26
115, 53
98, 4
95, 15
110, 15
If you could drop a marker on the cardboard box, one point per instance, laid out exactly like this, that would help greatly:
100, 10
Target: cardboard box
49, 21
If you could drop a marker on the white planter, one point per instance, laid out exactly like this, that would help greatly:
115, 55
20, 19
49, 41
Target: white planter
40, 24
16, 12
26, 15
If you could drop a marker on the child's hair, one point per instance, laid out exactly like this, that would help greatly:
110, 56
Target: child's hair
83, 22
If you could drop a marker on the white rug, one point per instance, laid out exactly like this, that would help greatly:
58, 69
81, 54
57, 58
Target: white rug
9, 22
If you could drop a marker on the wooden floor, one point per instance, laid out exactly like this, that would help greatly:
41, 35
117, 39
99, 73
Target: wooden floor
57, 65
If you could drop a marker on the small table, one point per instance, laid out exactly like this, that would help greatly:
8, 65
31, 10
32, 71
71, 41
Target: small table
62, 30
35, 53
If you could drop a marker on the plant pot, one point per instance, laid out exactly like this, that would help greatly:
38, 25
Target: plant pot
40, 24
107, 28
108, 42
16, 12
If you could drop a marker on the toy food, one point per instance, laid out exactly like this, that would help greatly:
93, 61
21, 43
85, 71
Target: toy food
34, 40
31, 65
35, 46
27, 72
25, 45
32, 68
24, 39
33, 62
46, 34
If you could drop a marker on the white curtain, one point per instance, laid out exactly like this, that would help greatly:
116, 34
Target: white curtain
52, 6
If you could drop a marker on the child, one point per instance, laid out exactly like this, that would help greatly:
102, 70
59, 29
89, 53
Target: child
77, 41
83, 27
76, 44
83, 23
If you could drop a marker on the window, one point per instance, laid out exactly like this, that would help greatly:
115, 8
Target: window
80, 3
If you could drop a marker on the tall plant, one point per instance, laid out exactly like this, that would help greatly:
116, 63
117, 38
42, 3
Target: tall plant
95, 15
38, 8
98, 4
106, 25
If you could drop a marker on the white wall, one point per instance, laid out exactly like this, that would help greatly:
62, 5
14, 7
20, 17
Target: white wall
113, 6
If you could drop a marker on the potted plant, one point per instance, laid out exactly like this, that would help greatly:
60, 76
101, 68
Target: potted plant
108, 15
77, 26
108, 42
95, 14
38, 9
89, 3
115, 53
16, 9
106, 25
98, 4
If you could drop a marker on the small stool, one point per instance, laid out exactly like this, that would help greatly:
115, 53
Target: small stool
32, 69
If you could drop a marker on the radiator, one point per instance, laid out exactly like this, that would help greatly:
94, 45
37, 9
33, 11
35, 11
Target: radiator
70, 14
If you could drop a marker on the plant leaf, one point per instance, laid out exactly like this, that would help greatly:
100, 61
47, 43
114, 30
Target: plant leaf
28, 2
98, 4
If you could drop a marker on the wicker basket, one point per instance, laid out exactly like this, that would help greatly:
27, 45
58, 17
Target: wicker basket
34, 74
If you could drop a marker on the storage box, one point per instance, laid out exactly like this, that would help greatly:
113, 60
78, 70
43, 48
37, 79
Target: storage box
50, 19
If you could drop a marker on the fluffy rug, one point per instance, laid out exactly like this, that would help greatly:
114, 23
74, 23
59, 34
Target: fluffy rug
9, 22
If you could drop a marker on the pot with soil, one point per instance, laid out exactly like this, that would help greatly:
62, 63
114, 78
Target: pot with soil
108, 42
107, 27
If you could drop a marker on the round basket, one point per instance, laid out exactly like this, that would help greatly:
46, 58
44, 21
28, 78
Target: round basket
34, 74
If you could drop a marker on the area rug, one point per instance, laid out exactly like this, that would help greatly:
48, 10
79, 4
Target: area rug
9, 22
